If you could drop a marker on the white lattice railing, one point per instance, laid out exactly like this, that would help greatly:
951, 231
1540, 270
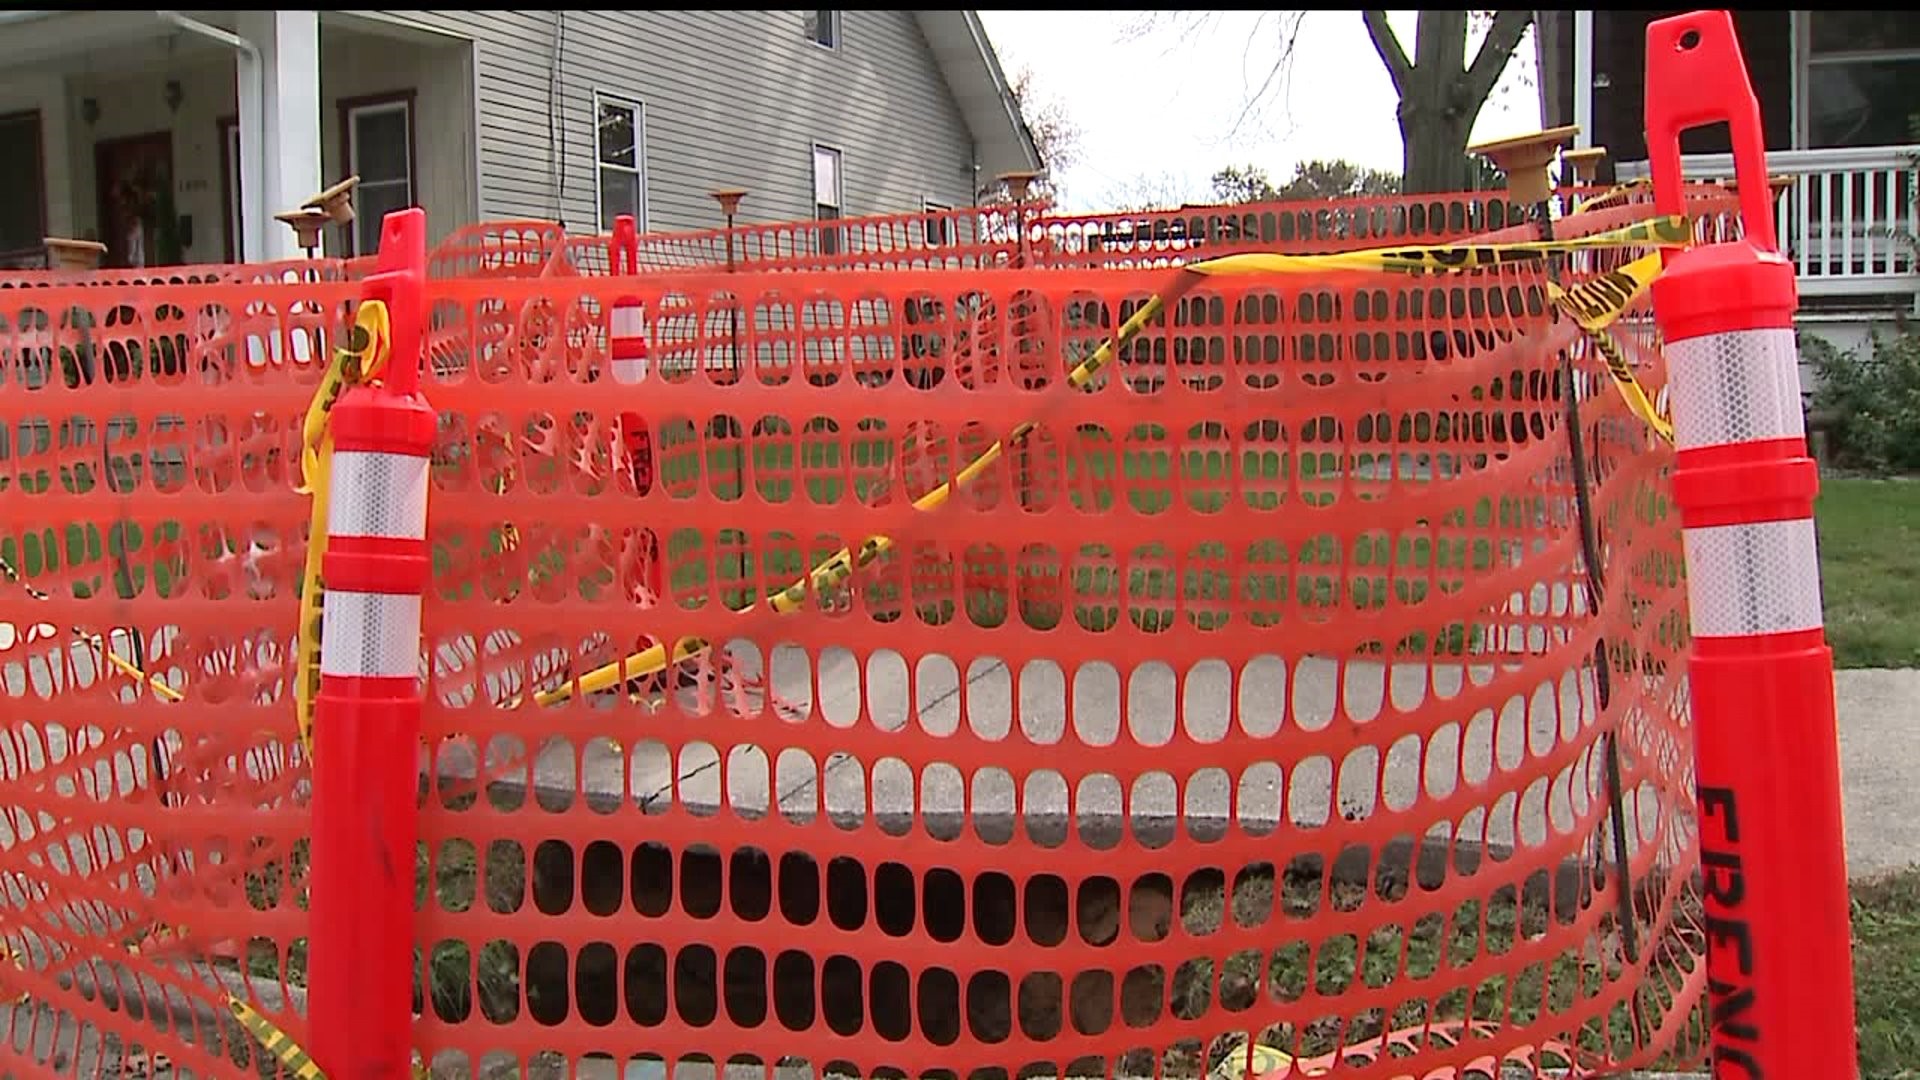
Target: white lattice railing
1848, 221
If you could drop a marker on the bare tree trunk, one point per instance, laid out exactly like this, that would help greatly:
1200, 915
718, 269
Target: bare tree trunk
1433, 150
1440, 93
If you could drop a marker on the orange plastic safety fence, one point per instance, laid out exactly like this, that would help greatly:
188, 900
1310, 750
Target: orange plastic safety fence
496, 249
1253, 690
1303, 226
1034, 235
967, 238
148, 448
1183, 721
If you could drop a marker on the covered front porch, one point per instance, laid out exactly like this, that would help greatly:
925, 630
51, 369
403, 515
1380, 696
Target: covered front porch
1846, 216
1840, 122
175, 137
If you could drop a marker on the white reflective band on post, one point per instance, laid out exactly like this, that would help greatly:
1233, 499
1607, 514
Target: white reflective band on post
627, 322
370, 634
1738, 387
629, 371
1762, 578
381, 495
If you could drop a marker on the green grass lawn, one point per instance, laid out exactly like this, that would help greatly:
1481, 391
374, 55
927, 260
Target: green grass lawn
1097, 473
1869, 533
1886, 973
1870, 573
1870, 570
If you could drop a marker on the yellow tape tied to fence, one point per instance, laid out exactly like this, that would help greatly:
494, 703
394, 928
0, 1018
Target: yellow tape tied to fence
1594, 306
369, 345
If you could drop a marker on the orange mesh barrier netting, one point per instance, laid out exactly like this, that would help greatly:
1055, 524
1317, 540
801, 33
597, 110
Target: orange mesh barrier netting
1253, 694
1036, 235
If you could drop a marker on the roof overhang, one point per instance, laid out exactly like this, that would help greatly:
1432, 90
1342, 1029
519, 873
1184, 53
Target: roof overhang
966, 60
48, 40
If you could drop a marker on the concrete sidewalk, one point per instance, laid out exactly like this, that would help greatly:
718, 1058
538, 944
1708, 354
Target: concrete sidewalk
1879, 727
1880, 768
1878, 721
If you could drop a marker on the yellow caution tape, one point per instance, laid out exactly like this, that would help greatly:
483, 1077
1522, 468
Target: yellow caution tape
274, 1041
1622, 372
293, 1059
7, 953
1612, 195
131, 670
1670, 231
1258, 1061
1595, 305
97, 642
369, 344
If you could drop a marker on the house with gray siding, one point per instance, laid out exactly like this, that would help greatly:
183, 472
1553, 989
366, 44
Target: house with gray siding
175, 136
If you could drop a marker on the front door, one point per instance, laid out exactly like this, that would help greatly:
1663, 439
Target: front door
131, 175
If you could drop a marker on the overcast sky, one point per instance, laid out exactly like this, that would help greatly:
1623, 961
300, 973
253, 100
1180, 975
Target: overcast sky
1157, 114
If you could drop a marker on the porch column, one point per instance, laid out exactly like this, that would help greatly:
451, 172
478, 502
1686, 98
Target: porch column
279, 126
1583, 77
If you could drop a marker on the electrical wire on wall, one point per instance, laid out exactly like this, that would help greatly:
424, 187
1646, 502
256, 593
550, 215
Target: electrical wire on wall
557, 131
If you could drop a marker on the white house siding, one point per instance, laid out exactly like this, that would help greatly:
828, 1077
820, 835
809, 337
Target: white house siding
360, 66
733, 99
353, 65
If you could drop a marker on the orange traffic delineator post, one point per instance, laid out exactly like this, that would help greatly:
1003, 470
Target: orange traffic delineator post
1772, 858
367, 715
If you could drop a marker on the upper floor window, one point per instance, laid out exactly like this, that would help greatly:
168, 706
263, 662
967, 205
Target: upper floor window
379, 133
1862, 67
824, 28
620, 147
937, 226
827, 195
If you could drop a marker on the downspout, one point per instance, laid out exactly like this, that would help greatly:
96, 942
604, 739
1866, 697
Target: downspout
249, 58
1583, 77
973, 167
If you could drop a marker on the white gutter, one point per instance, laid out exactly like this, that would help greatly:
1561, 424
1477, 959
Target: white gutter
256, 229
1582, 77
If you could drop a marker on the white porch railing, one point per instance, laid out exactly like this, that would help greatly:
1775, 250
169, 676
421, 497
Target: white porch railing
1848, 221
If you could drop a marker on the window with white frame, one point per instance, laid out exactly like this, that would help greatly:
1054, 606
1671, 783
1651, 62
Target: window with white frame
937, 226
824, 28
620, 148
379, 134
1862, 68
827, 196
